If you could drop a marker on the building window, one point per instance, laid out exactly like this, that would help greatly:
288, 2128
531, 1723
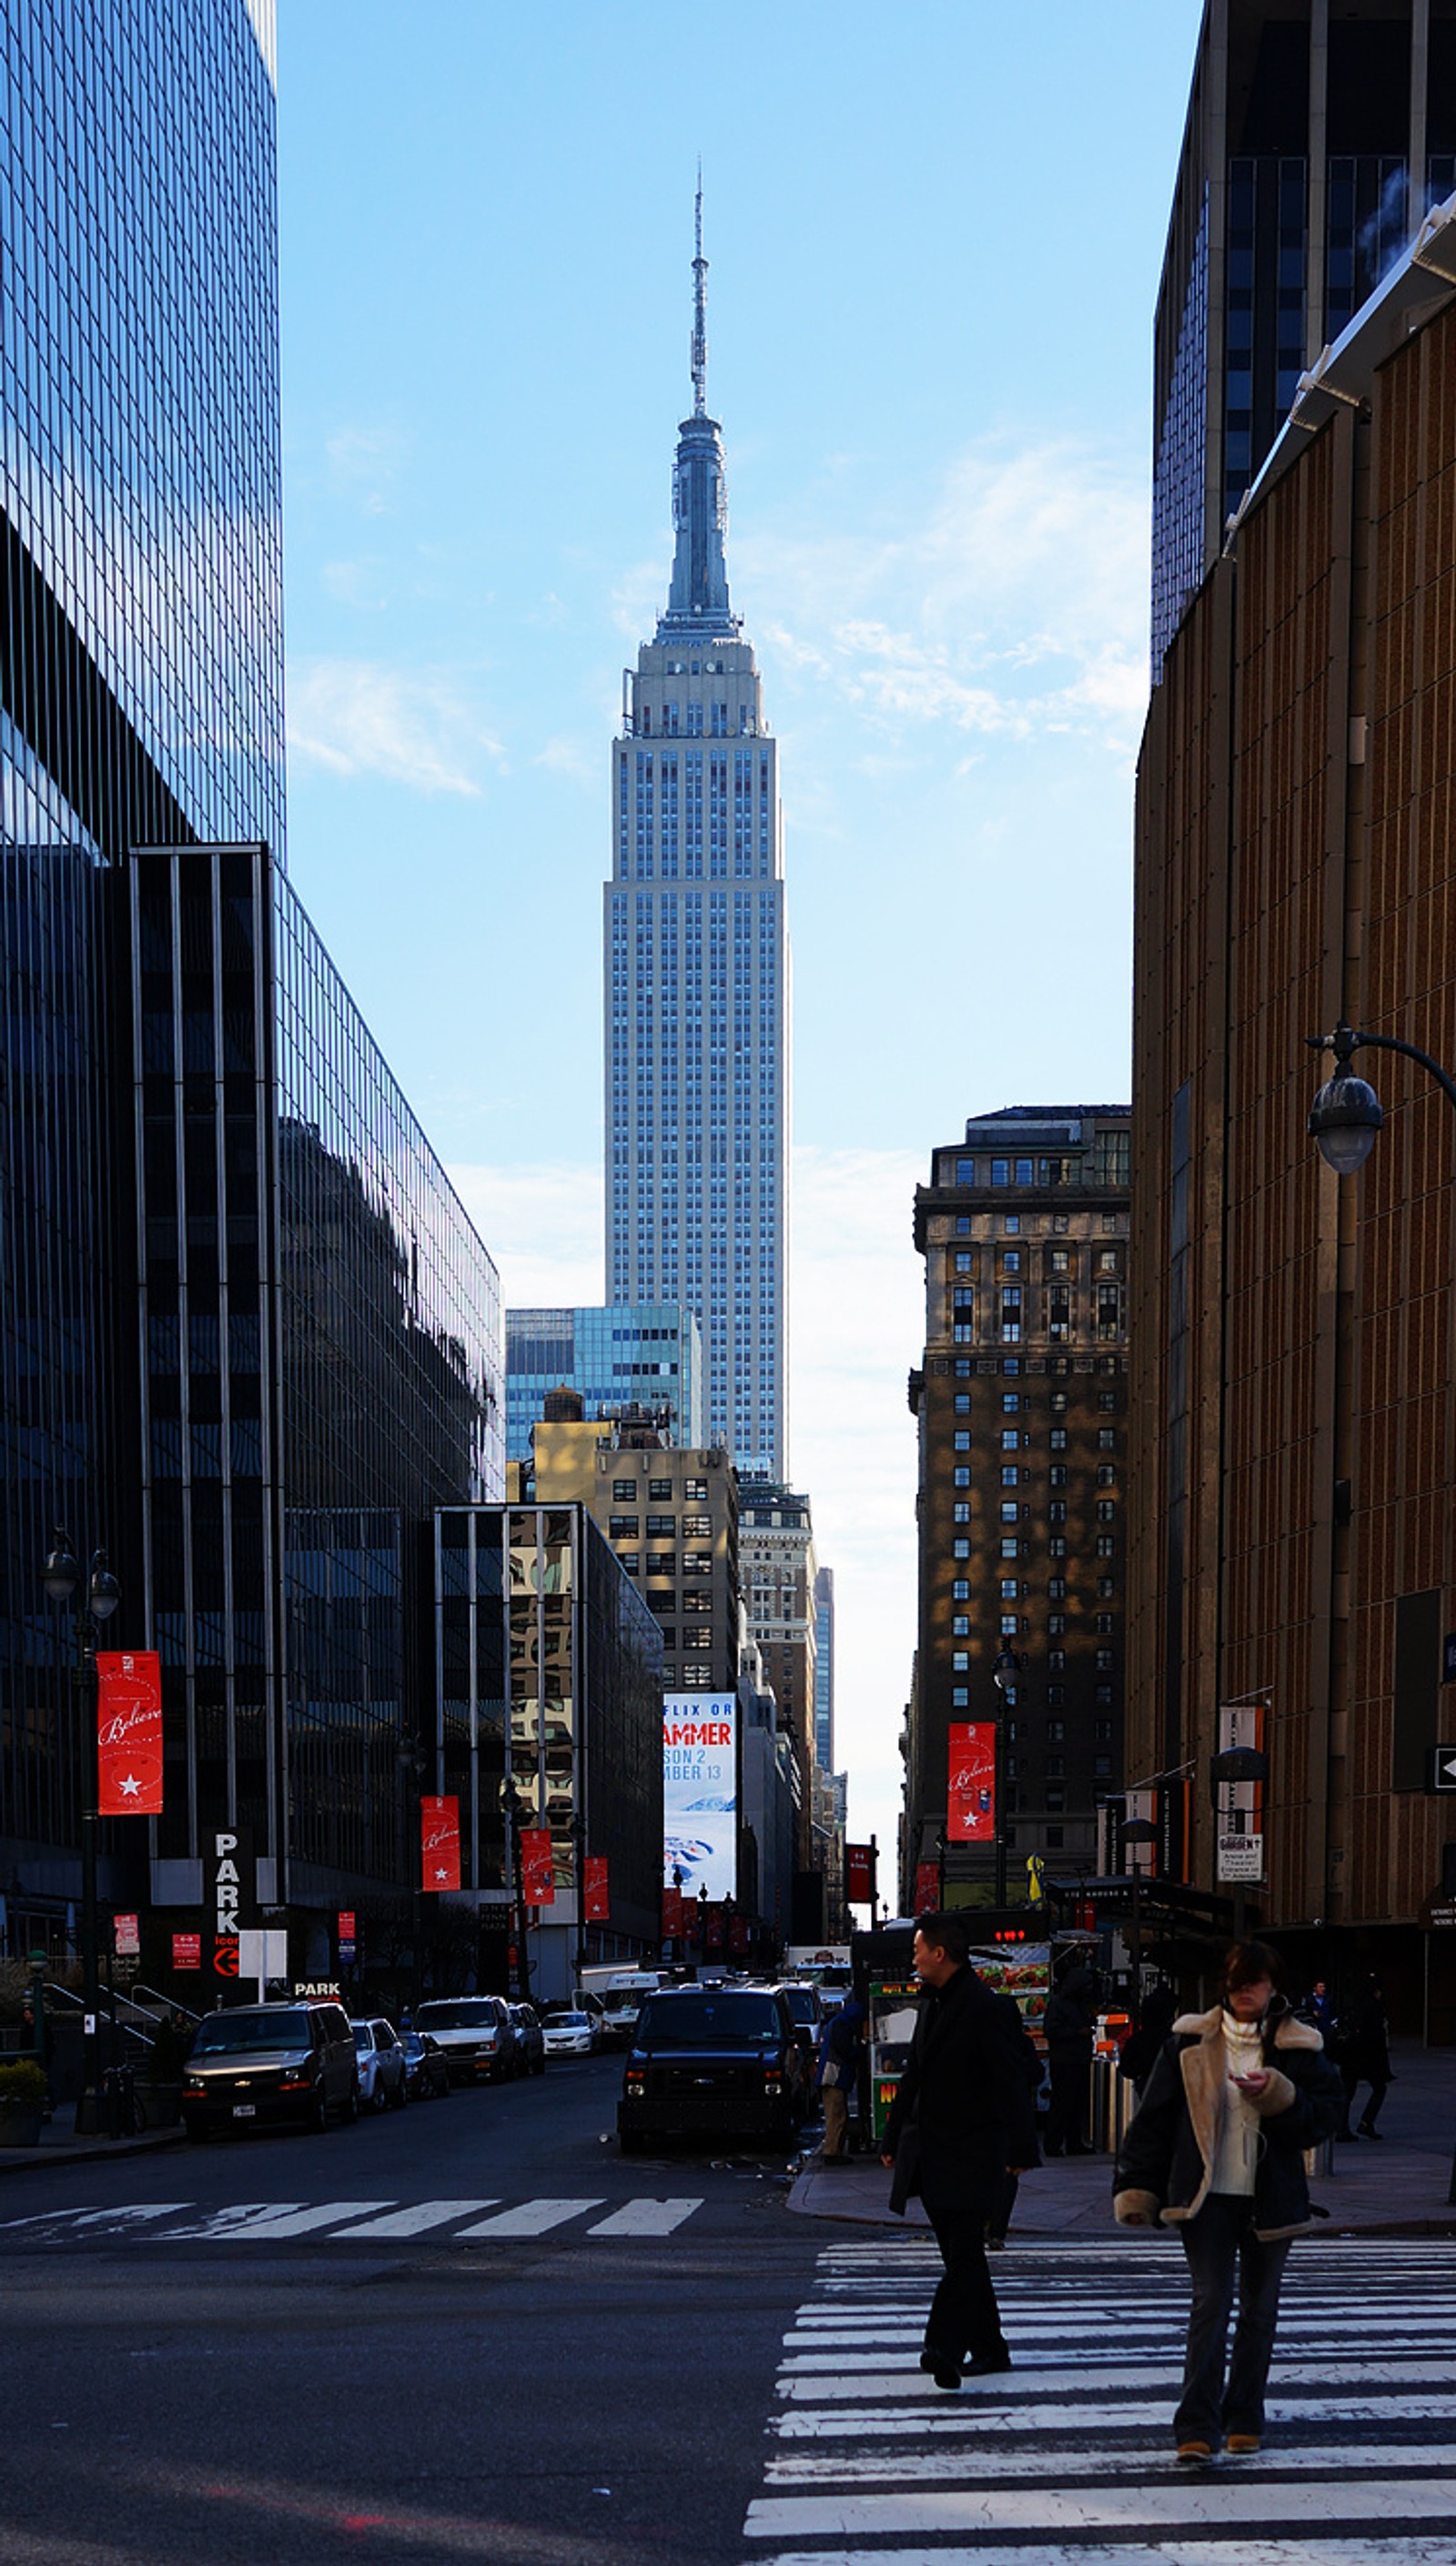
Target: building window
960, 1627
1010, 1439
1106, 1511
1057, 1662
658, 1489
624, 1492
961, 1590
1057, 1589
1104, 1661
1106, 1475
1106, 1438
1011, 1260
1010, 1510
1009, 1590
624, 1527
961, 1514
1056, 1768
1010, 1401
1011, 1549
963, 1402
962, 1477
1057, 1475
960, 1696
1058, 1402
1056, 1546
963, 1440
1055, 1694
1102, 1767
961, 1548
1105, 1545
1056, 1796
960, 1659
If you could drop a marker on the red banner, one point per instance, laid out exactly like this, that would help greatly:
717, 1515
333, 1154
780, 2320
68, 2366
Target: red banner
859, 1874
738, 1933
186, 1950
927, 1888
128, 1733
971, 1791
345, 1924
715, 1929
673, 1912
439, 1842
595, 1895
127, 1933
538, 1875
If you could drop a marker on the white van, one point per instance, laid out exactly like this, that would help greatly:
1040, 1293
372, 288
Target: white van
622, 1998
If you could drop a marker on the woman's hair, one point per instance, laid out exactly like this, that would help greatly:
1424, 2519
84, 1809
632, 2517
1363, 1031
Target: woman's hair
1246, 1962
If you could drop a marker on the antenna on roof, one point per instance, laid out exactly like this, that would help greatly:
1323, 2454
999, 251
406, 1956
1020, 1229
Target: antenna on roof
699, 313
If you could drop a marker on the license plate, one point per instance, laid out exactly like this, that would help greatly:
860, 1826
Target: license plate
244, 2111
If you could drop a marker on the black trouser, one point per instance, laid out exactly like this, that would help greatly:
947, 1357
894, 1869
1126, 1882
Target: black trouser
1000, 2204
1380, 2086
1221, 2246
964, 2317
1067, 2119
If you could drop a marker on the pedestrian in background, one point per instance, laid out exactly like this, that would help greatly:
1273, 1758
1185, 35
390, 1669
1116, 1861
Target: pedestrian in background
1216, 2149
1364, 2056
962, 2120
839, 2054
1139, 2052
1067, 2025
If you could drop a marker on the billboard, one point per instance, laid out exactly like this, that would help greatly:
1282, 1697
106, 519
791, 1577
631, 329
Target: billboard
700, 1792
971, 1799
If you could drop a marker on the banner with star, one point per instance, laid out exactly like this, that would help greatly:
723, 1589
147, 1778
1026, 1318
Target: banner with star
439, 1843
128, 1733
537, 1871
598, 1893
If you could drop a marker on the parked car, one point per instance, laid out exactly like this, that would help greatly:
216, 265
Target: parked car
476, 2034
568, 2035
806, 2007
382, 2083
713, 2062
530, 2041
427, 2070
255, 2064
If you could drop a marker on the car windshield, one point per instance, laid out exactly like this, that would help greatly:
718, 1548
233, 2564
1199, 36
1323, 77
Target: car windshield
469, 2014
568, 2022
707, 2022
222, 2032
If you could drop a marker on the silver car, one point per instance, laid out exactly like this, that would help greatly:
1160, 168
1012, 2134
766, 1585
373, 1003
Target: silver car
383, 2084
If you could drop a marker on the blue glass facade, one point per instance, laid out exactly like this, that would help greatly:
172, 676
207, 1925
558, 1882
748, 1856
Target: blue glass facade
140, 700
649, 1353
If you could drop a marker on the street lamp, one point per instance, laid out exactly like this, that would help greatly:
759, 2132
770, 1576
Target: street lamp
61, 1578
1007, 1667
1345, 1114
514, 1810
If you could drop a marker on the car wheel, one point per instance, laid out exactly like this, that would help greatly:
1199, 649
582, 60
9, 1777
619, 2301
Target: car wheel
318, 2112
348, 2110
378, 2099
400, 2094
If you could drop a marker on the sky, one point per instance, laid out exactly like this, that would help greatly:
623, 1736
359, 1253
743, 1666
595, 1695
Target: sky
935, 238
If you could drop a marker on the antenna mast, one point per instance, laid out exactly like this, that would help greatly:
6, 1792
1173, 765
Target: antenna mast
699, 314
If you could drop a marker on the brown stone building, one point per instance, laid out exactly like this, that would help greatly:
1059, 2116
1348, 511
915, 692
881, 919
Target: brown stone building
1020, 1402
1294, 1435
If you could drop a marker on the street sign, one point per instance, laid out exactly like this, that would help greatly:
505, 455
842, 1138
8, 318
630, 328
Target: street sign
1441, 1769
1241, 1856
128, 1936
186, 1950
1438, 1913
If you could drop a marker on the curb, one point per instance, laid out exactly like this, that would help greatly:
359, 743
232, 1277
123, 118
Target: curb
71, 2152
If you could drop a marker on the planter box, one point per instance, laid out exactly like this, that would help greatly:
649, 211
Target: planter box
20, 2125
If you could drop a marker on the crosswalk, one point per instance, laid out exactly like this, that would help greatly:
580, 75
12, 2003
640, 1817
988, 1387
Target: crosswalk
1067, 2459
345, 2222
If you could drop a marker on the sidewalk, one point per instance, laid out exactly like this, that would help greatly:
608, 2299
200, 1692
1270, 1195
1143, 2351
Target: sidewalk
60, 2146
1394, 2187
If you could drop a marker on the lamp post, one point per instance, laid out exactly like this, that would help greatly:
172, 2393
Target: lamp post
1004, 1672
702, 1924
410, 1766
514, 1810
1345, 1114
61, 1578
579, 1839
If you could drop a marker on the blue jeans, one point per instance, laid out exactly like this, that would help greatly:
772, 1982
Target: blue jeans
1221, 2247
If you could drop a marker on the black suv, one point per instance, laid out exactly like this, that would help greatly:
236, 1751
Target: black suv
270, 2061
713, 2062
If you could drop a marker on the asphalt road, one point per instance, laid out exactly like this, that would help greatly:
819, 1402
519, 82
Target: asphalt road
285, 2348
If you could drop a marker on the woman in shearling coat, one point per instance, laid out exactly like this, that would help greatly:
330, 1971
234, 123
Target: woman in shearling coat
1217, 2151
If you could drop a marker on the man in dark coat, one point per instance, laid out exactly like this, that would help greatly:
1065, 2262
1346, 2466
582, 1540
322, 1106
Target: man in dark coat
963, 2118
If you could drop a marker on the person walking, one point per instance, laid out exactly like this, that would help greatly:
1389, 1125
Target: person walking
839, 2054
1216, 2149
961, 2122
1140, 2051
1364, 2056
1067, 2025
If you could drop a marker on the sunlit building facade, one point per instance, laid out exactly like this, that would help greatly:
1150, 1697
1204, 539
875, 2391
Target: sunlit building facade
611, 1358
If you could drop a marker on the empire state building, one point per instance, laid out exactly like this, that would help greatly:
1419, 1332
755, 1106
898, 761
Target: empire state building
697, 956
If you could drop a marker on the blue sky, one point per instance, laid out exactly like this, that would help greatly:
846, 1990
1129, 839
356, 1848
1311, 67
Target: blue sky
935, 238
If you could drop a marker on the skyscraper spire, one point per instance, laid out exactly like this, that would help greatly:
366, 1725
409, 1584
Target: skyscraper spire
699, 313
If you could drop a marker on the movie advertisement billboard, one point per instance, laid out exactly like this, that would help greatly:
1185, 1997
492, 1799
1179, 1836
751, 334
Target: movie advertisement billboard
971, 1796
700, 1792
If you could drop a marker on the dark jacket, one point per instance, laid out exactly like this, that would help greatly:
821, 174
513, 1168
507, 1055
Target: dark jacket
841, 2047
1067, 2022
964, 2110
1365, 2040
1165, 2163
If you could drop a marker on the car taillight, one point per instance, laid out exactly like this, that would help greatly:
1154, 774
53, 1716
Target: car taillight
772, 2077
636, 2078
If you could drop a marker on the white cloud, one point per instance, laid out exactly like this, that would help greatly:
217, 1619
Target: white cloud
361, 717
1017, 603
857, 1315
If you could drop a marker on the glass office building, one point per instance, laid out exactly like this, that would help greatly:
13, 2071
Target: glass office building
319, 1367
141, 701
650, 1354
549, 1677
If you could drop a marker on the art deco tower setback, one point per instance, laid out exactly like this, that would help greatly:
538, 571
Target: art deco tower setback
696, 968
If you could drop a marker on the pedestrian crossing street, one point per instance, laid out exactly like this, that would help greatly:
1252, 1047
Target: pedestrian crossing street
1067, 2459
347, 2223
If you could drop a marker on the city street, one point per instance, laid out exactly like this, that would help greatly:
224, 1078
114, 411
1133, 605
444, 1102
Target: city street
471, 2331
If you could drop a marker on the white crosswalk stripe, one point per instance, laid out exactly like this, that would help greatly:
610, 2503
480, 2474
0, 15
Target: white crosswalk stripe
1067, 2458
345, 2222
